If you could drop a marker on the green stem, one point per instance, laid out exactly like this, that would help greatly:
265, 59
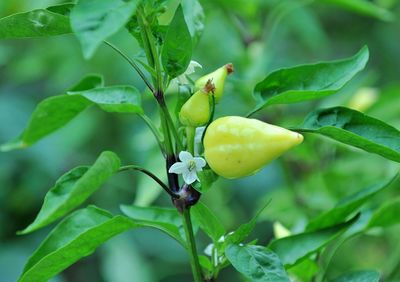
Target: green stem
211, 100
153, 176
190, 135
171, 125
194, 259
151, 46
154, 130
167, 136
132, 63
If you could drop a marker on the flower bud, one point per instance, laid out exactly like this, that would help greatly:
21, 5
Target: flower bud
197, 110
217, 77
235, 146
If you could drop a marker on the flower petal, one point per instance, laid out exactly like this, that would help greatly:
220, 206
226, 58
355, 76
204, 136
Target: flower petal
178, 168
190, 177
192, 66
185, 157
199, 133
200, 163
182, 79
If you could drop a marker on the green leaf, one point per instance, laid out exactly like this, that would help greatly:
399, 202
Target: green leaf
62, 9
94, 21
207, 177
177, 49
37, 23
347, 206
166, 220
257, 263
305, 270
205, 264
293, 249
194, 17
53, 113
117, 99
88, 82
49, 115
75, 237
308, 82
363, 7
356, 129
207, 221
359, 276
73, 188
244, 230
387, 215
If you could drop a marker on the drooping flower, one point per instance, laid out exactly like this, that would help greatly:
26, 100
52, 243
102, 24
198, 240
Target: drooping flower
188, 167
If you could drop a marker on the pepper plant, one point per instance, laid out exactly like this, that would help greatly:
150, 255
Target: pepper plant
197, 147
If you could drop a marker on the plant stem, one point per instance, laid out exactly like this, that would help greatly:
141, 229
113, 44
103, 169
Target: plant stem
154, 177
190, 135
154, 130
194, 259
171, 124
151, 48
132, 63
167, 135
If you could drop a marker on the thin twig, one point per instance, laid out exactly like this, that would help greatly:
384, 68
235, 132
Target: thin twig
133, 64
154, 177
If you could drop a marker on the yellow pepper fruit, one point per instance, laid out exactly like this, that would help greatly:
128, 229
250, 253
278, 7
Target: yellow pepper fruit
363, 99
235, 146
217, 77
197, 110
280, 231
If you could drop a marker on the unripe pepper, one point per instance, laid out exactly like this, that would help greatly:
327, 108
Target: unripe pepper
197, 110
236, 146
217, 77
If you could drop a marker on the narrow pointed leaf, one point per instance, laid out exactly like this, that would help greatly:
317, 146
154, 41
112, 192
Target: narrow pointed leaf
293, 249
348, 206
73, 188
49, 115
363, 7
359, 276
387, 215
163, 219
37, 23
90, 81
118, 99
177, 49
77, 236
257, 263
356, 129
207, 221
244, 230
94, 21
55, 112
308, 82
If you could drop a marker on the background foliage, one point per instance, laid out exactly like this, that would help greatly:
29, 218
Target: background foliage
257, 37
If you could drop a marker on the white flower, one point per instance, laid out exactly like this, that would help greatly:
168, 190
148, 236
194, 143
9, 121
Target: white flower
182, 79
188, 167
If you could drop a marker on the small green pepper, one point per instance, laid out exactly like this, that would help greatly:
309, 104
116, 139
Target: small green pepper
197, 110
217, 77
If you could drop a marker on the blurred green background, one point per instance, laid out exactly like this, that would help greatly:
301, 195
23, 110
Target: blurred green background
257, 37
